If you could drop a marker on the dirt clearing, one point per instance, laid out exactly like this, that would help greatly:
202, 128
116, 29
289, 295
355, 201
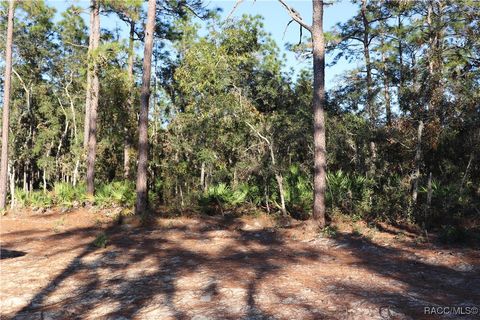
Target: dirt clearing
54, 266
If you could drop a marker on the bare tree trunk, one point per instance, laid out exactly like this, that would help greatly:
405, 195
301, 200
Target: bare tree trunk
129, 106
88, 93
181, 196
401, 82
386, 88
142, 191
6, 108
92, 136
75, 173
267, 198
44, 178
320, 152
279, 179
465, 175
25, 188
368, 66
429, 191
202, 175
12, 186
418, 159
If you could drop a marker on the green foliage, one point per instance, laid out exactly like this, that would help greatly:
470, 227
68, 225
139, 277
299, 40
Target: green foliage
222, 104
221, 194
121, 193
351, 194
36, 198
391, 200
329, 231
118, 193
40, 199
452, 234
298, 190
101, 240
66, 195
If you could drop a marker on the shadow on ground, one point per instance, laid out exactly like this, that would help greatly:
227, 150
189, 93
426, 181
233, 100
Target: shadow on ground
215, 270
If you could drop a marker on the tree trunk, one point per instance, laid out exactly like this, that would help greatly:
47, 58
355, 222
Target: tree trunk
368, 66
465, 175
142, 192
202, 175
92, 136
401, 82
267, 198
320, 153
369, 103
25, 187
129, 106
44, 178
429, 191
386, 87
281, 191
12, 186
75, 173
418, 159
88, 92
6, 108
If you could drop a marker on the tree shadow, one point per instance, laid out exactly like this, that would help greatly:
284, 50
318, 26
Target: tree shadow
413, 282
8, 254
217, 270
151, 263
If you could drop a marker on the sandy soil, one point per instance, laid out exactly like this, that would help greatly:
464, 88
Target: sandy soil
223, 268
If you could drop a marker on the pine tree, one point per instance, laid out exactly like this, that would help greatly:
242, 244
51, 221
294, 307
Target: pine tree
142, 191
6, 107
92, 105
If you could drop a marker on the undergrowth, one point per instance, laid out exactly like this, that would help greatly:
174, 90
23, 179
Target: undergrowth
117, 193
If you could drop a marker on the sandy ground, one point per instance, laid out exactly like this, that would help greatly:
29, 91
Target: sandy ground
223, 268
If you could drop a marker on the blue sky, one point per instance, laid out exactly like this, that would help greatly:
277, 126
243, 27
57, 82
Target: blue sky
275, 21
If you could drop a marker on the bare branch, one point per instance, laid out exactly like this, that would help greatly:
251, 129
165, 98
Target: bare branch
295, 15
258, 133
237, 3
75, 45
286, 27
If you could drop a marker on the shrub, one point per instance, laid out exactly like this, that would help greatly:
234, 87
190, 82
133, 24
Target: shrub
391, 200
66, 194
40, 199
101, 240
116, 193
32, 199
452, 234
298, 191
349, 193
221, 196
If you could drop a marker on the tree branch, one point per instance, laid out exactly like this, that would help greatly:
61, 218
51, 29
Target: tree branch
235, 6
295, 15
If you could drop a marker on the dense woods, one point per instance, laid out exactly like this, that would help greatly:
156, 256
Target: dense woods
221, 125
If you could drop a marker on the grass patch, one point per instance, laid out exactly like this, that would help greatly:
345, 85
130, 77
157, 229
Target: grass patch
101, 240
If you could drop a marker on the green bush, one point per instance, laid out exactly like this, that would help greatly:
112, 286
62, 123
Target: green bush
452, 234
40, 199
298, 191
67, 195
350, 194
221, 194
392, 199
220, 197
32, 199
116, 193
21, 198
